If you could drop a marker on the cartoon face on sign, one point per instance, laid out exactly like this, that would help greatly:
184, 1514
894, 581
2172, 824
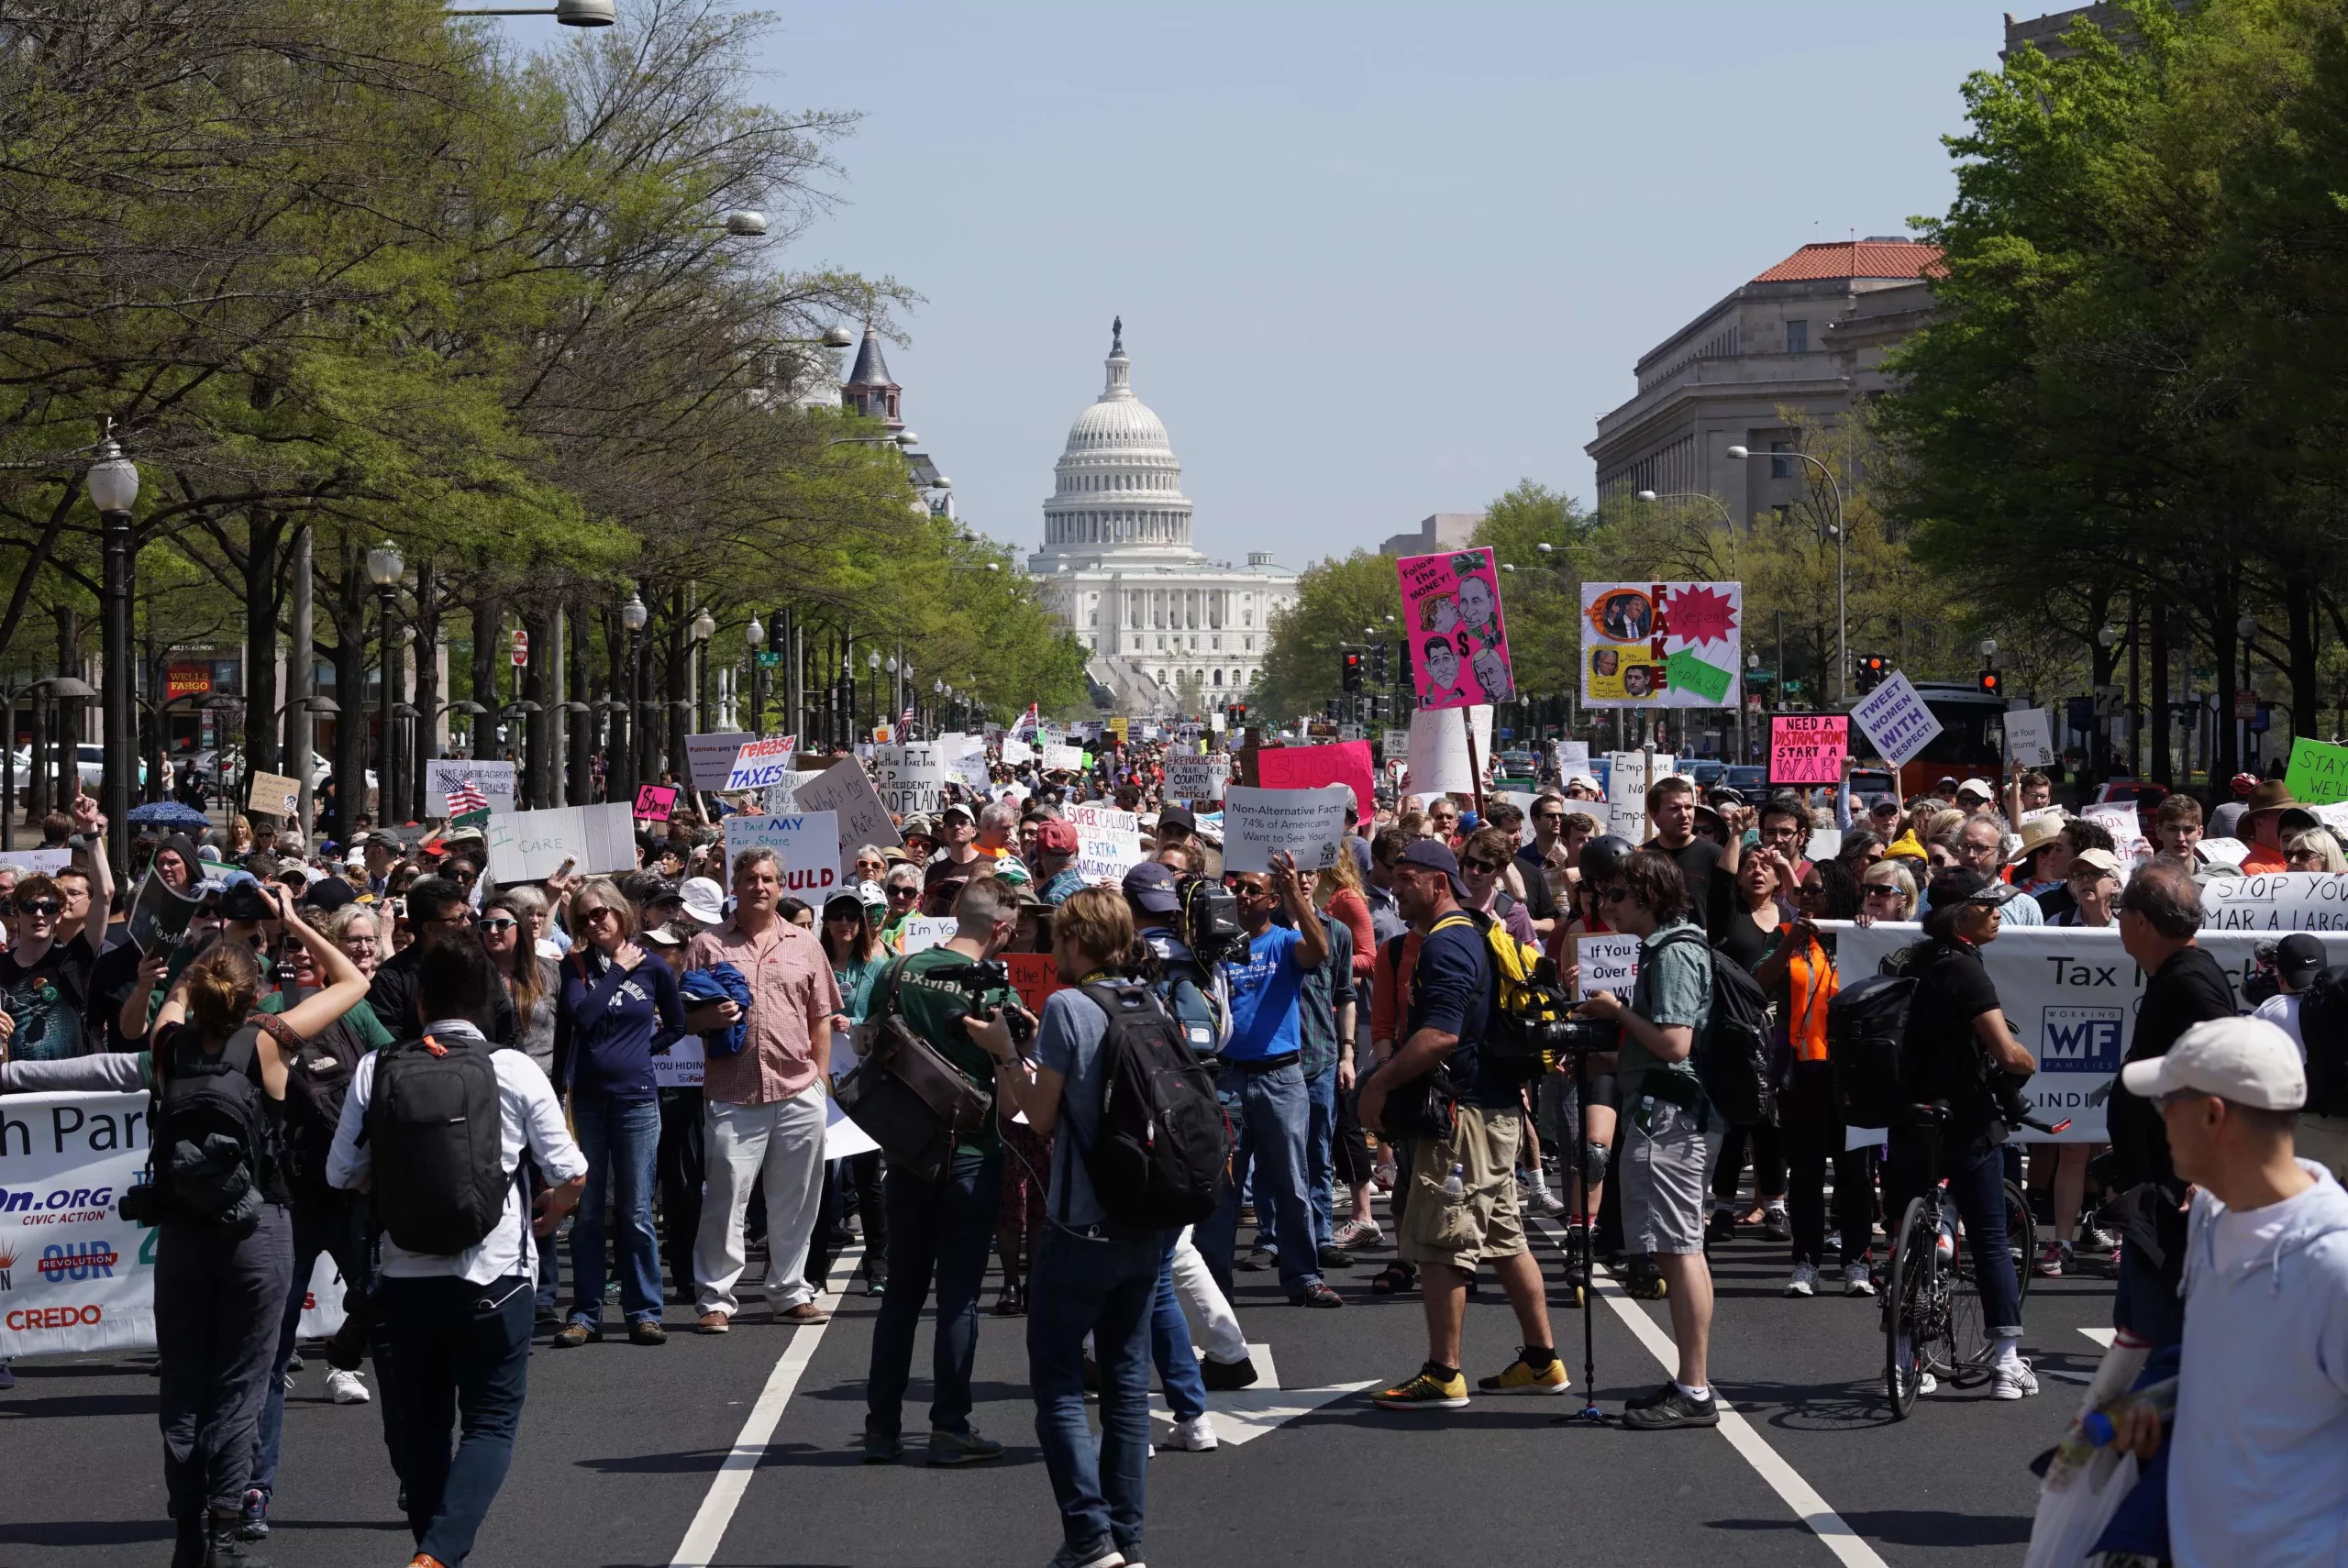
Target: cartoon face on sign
1442, 664
1491, 674
1479, 604
1625, 615
1438, 614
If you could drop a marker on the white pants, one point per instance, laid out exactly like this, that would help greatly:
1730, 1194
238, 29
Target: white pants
1213, 1322
784, 1140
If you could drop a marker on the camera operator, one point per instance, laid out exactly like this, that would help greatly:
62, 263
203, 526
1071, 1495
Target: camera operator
1462, 1209
1957, 1046
942, 1226
1669, 1134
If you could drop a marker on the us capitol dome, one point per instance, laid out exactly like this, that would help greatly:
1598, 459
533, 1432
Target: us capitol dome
1167, 630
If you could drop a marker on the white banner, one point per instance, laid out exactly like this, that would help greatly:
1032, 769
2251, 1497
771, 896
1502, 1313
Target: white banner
1107, 843
1308, 824
910, 779
494, 779
843, 788
2073, 993
807, 843
1897, 722
527, 846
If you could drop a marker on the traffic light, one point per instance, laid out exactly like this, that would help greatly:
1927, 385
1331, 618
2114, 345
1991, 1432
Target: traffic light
1873, 670
1380, 664
1353, 670
1239, 715
1992, 684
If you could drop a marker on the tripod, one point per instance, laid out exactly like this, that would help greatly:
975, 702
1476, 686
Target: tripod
1587, 1288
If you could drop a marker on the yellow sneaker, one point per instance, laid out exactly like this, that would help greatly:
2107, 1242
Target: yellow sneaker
1520, 1378
1428, 1391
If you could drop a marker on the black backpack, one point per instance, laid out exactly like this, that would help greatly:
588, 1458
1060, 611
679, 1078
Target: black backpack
1733, 1057
317, 1079
1867, 1037
435, 1129
1162, 1146
2323, 1027
215, 1147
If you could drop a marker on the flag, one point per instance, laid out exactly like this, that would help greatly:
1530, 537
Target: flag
466, 796
907, 716
1026, 726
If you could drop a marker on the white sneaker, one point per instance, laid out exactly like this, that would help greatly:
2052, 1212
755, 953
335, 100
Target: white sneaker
347, 1387
1196, 1434
1804, 1281
1856, 1281
1927, 1384
1548, 1202
2012, 1379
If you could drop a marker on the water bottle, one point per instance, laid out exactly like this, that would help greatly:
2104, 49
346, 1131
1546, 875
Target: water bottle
1945, 1245
1455, 1186
2086, 1448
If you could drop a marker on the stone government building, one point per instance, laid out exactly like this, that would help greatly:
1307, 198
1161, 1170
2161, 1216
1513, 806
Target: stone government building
1164, 629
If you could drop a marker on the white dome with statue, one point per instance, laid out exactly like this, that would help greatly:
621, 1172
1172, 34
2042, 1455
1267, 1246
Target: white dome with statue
1118, 488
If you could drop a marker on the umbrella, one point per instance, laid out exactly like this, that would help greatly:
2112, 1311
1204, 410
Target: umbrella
168, 814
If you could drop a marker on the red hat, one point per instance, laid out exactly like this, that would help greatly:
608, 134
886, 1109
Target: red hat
1056, 836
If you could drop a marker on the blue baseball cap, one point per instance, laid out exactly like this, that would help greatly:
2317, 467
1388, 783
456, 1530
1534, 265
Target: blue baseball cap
1151, 887
1436, 856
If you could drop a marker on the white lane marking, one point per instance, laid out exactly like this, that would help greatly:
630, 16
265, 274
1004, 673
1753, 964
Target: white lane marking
1242, 1415
2100, 1336
707, 1533
1799, 1495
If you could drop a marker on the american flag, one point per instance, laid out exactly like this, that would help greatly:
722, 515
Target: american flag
466, 796
1026, 728
907, 716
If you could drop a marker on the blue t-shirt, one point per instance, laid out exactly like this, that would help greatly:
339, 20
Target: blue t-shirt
1264, 993
1067, 1041
1451, 992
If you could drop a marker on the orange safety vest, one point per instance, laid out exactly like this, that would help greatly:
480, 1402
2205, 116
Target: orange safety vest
1811, 981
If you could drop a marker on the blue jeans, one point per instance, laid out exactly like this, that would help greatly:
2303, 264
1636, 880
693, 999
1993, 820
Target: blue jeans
1170, 1349
1106, 1288
459, 1355
620, 1138
1270, 1112
1320, 1151
1977, 1185
944, 1227
338, 1227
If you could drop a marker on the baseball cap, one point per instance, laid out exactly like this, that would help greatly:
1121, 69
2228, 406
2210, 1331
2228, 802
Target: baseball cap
1437, 857
2246, 1060
1586, 780
1057, 836
328, 893
2299, 958
2102, 860
1151, 887
1975, 787
1958, 885
917, 823
704, 900
958, 809
1176, 816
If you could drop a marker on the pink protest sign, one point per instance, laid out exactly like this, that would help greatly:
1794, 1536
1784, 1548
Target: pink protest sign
654, 802
1808, 748
1311, 767
1451, 616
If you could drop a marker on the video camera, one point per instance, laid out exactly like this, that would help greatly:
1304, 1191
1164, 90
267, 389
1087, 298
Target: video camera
1210, 925
989, 975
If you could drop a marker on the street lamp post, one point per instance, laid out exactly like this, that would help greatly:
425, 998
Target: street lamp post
1651, 497
1842, 617
383, 568
633, 616
704, 628
2246, 629
569, 13
112, 482
755, 634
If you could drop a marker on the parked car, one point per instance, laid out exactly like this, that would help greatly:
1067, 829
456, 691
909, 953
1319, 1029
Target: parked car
1867, 783
1752, 782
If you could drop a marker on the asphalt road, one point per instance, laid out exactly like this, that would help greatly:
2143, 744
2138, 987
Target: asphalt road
621, 1446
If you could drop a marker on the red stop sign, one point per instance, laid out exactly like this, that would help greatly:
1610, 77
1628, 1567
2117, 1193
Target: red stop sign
521, 647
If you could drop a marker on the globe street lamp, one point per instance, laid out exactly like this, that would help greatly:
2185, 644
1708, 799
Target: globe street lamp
1841, 619
633, 616
112, 482
701, 630
755, 634
383, 568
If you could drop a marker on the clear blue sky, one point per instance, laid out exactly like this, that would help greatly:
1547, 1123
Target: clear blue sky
1374, 260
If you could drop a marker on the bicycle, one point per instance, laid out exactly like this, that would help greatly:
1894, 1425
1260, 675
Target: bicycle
1932, 1320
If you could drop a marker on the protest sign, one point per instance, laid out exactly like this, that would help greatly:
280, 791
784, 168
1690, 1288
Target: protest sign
1662, 644
1307, 823
282, 797
710, 759
1895, 719
783, 795
2318, 775
655, 802
1311, 767
1808, 748
1017, 751
1197, 775
843, 788
158, 915
2276, 900
2073, 993
1823, 843
965, 758
490, 778
1610, 962
1085, 729
1107, 843
1439, 750
2029, 738
1063, 759
1629, 774
2126, 829
807, 842
43, 860
528, 846
910, 779
923, 933
760, 763
1572, 757
1452, 623
680, 1067
1034, 976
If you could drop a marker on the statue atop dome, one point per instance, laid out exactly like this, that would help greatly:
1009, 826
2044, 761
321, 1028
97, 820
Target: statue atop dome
1117, 336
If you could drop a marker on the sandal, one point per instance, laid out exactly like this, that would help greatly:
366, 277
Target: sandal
1394, 1278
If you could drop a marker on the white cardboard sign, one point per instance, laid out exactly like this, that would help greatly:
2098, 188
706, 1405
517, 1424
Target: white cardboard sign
2029, 738
1107, 843
807, 842
1897, 722
1017, 751
760, 763
1063, 759
910, 779
528, 846
1194, 776
1439, 749
1308, 824
1610, 962
843, 788
709, 758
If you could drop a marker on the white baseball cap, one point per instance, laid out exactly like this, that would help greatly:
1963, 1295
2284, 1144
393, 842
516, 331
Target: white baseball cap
2246, 1060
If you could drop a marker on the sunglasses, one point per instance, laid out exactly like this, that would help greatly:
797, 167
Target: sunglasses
846, 916
489, 925
1613, 895
599, 912
904, 892
1548, 816
1481, 867
41, 906
1883, 891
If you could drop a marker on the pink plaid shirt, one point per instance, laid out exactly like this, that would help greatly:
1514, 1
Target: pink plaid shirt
792, 999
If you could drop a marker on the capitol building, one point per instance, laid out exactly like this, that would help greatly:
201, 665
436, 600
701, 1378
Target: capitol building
1166, 629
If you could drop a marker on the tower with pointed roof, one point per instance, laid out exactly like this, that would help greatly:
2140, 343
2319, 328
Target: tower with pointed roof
1118, 567
867, 391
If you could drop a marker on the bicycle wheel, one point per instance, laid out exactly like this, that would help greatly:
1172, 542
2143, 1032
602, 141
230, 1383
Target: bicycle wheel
1965, 1360
2022, 1237
1907, 1287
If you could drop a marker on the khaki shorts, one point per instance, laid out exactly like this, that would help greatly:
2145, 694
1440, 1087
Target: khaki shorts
1666, 1169
1460, 1233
